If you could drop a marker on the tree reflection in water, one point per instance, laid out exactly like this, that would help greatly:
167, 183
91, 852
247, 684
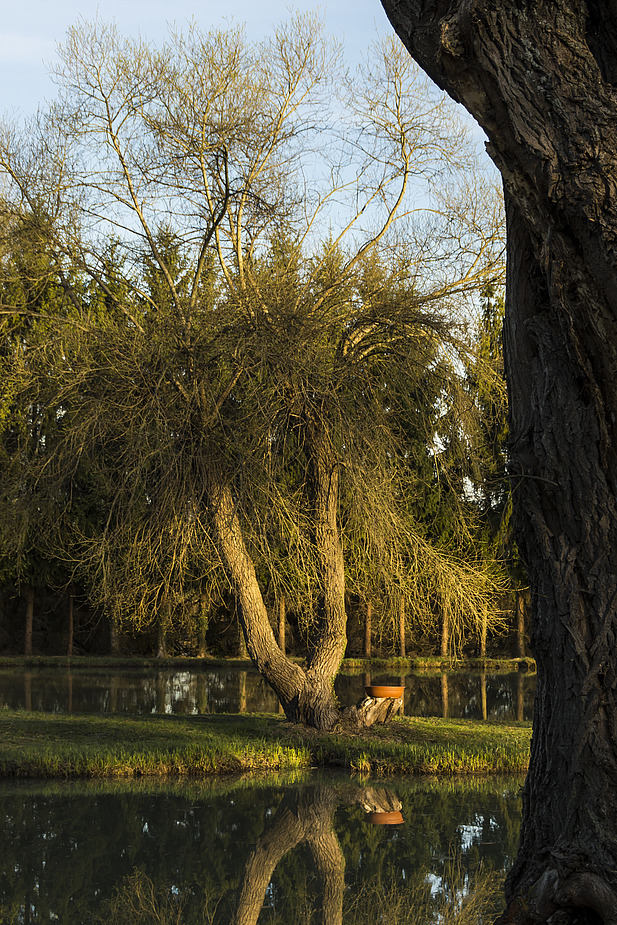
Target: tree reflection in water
307, 816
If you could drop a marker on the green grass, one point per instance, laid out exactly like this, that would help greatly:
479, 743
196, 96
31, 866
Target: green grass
94, 746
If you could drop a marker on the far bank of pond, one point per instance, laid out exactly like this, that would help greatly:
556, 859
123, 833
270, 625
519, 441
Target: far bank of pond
487, 690
80, 745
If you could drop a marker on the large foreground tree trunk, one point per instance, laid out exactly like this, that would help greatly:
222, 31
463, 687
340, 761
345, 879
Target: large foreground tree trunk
540, 78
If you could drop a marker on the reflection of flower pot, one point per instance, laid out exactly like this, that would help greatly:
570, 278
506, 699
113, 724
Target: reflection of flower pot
384, 690
393, 818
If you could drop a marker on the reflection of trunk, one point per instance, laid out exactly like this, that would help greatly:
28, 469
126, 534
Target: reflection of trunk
69, 684
280, 606
444, 694
202, 626
160, 689
29, 595
242, 691
202, 694
299, 818
28, 690
368, 629
402, 683
401, 627
520, 696
483, 696
69, 643
114, 683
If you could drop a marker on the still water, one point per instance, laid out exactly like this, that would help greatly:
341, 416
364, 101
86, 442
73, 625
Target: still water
228, 690
302, 852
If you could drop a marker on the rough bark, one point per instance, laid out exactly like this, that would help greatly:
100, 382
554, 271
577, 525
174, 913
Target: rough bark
540, 78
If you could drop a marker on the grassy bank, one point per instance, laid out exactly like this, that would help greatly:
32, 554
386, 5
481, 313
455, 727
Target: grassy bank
79, 745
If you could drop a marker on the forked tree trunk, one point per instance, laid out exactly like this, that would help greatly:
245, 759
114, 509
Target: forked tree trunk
306, 694
540, 77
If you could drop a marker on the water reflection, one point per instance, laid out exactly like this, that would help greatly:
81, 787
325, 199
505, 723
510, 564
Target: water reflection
228, 690
233, 852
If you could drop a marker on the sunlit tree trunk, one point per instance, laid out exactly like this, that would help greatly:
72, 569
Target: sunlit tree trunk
520, 624
402, 651
368, 629
281, 613
483, 705
445, 632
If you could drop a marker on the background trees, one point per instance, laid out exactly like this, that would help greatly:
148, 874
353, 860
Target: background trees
239, 396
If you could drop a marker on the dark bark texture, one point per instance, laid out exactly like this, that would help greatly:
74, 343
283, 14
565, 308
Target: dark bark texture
541, 77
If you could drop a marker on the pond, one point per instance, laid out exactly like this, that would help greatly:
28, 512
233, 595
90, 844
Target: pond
231, 690
234, 853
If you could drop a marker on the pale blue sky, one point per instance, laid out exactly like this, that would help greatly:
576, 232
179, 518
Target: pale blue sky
30, 30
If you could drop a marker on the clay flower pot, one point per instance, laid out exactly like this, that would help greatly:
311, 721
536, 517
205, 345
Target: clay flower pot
392, 818
385, 690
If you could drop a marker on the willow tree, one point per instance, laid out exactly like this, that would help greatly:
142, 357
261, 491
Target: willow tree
540, 79
214, 395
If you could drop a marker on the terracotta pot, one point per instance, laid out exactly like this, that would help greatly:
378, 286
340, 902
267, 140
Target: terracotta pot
392, 818
384, 690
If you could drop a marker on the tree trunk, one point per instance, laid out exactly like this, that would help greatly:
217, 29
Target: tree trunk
483, 635
69, 643
306, 696
368, 629
202, 649
280, 606
445, 633
540, 78
29, 595
401, 627
163, 621
520, 624
114, 641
